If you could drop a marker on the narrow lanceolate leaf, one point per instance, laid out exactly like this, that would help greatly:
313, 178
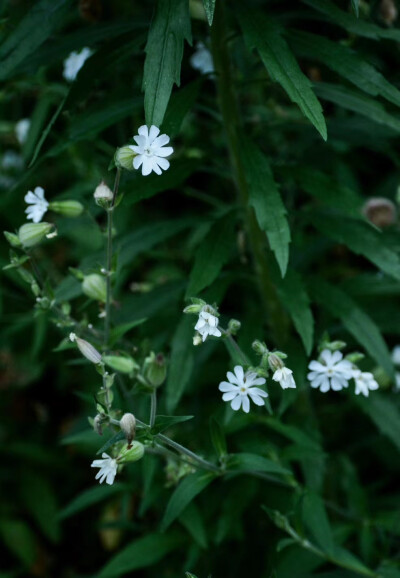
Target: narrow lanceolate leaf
346, 62
164, 51
355, 4
209, 7
356, 321
264, 196
263, 34
212, 255
181, 363
316, 520
361, 238
187, 490
294, 297
32, 31
357, 102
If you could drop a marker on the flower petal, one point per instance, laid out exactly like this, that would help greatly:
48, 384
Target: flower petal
153, 133
164, 152
137, 161
238, 369
144, 131
236, 403
246, 404
225, 386
160, 141
229, 395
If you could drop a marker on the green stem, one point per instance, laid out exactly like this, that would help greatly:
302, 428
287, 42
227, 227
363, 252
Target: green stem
153, 407
109, 255
230, 114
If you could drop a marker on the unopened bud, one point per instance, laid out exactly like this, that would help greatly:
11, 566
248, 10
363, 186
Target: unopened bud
233, 326
380, 211
123, 364
155, 369
95, 287
124, 156
334, 345
128, 426
196, 306
259, 348
355, 357
67, 208
197, 340
103, 194
32, 234
275, 362
86, 349
97, 423
13, 239
388, 11
132, 453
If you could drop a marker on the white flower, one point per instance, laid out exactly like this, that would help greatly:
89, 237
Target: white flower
74, 62
12, 160
284, 376
240, 389
38, 204
22, 129
365, 382
202, 59
207, 324
333, 373
151, 151
108, 469
396, 355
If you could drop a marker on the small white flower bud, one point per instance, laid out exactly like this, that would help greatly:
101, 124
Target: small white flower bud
95, 287
275, 362
128, 426
197, 340
103, 193
32, 234
67, 208
380, 211
124, 156
86, 349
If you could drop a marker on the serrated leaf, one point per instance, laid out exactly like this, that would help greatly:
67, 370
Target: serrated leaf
244, 462
357, 102
384, 414
212, 255
264, 34
181, 362
346, 62
188, 489
361, 238
164, 422
266, 200
141, 553
87, 498
356, 321
209, 7
164, 50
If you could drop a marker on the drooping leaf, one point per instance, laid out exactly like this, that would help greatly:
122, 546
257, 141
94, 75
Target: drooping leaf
212, 255
164, 50
188, 489
264, 196
356, 321
263, 34
181, 362
209, 7
346, 62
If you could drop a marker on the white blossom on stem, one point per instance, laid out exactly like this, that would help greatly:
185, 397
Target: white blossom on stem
74, 62
108, 469
284, 376
37, 204
22, 129
202, 59
151, 150
239, 389
207, 324
331, 372
365, 382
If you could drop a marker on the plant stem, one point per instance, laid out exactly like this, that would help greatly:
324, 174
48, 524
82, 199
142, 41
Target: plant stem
153, 407
109, 255
230, 114
182, 450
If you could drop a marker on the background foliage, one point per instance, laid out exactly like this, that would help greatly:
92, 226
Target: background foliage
261, 212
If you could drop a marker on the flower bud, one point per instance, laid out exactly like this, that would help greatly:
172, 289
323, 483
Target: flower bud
196, 306
124, 156
333, 345
103, 194
32, 234
155, 369
380, 211
13, 239
132, 453
95, 287
233, 326
86, 349
67, 208
97, 423
197, 340
275, 362
128, 426
123, 364
388, 11
259, 348
355, 357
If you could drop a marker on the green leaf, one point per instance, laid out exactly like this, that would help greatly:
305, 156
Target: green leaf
192, 520
316, 520
93, 495
209, 7
118, 437
20, 540
384, 414
118, 332
38, 24
180, 104
264, 34
346, 62
213, 253
361, 238
293, 296
141, 553
40, 500
357, 102
188, 489
264, 196
181, 362
355, 4
47, 130
164, 50
163, 422
218, 437
244, 462
356, 321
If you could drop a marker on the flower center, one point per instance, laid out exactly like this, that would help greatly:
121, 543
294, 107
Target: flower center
242, 389
148, 152
330, 371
